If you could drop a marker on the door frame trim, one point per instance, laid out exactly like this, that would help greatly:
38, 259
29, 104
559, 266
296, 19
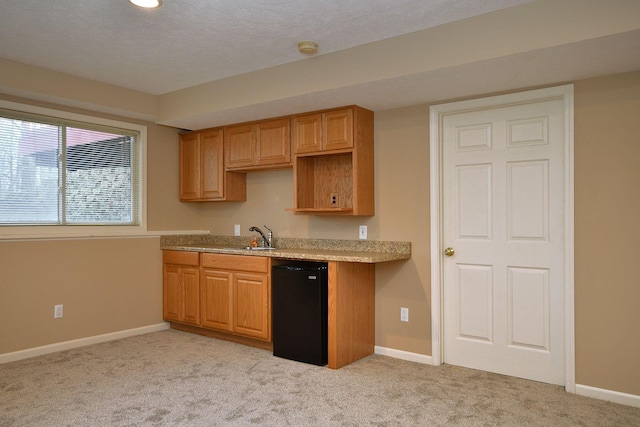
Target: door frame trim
436, 114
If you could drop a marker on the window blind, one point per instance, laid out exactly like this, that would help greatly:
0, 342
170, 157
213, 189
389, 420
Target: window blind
61, 172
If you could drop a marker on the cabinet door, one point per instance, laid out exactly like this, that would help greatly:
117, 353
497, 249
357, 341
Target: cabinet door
239, 145
212, 165
216, 298
189, 166
190, 278
181, 294
273, 142
251, 308
307, 133
171, 300
338, 129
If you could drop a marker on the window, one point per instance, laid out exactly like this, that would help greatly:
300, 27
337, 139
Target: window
66, 170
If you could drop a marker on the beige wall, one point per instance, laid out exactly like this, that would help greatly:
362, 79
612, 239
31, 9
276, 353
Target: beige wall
105, 286
36, 83
607, 202
607, 231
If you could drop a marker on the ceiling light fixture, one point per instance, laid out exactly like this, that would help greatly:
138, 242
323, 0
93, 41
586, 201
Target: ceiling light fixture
308, 48
147, 4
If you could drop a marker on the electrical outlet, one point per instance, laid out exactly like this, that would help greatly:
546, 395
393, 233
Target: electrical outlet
236, 230
363, 232
57, 311
404, 314
334, 199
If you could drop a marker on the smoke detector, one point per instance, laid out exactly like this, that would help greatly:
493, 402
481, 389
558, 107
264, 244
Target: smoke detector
308, 48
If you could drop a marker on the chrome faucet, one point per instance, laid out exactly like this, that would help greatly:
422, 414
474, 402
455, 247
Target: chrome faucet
266, 240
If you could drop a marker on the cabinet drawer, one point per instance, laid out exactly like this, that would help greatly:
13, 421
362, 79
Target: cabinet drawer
181, 258
236, 262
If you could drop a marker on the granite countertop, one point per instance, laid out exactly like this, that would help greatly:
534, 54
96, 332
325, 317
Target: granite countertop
365, 251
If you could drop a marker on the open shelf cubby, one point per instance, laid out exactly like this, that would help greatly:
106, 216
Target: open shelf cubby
325, 182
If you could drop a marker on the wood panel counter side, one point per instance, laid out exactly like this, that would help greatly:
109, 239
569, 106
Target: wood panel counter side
351, 328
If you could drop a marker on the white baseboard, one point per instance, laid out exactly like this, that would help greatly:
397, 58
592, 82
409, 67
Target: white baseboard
404, 355
609, 395
81, 342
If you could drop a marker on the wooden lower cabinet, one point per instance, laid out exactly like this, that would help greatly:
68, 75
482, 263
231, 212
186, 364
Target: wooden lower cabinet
251, 305
229, 297
236, 295
181, 287
216, 299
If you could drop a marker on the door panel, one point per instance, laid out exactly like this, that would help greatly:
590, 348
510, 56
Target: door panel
239, 143
473, 207
171, 293
503, 289
475, 300
338, 127
251, 305
216, 300
273, 139
527, 200
212, 164
529, 307
190, 277
307, 133
189, 166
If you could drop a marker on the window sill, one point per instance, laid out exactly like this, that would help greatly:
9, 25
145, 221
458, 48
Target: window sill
68, 232
8, 234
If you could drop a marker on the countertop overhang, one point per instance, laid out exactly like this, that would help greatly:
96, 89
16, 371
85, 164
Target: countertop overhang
363, 251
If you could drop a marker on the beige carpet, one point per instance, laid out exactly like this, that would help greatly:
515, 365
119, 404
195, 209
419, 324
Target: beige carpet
172, 378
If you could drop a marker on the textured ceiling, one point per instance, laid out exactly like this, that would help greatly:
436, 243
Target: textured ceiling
189, 42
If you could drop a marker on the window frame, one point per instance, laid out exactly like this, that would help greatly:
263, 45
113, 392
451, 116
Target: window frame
19, 232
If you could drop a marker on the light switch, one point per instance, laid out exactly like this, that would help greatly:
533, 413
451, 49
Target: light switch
404, 314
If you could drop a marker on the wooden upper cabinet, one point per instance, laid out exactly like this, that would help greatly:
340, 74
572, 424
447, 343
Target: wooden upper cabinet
307, 133
338, 177
324, 131
189, 166
338, 129
212, 165
202, 173
273, 142
240, 146
259, 145
331, 152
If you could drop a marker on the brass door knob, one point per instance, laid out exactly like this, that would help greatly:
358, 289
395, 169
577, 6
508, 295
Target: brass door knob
449, 252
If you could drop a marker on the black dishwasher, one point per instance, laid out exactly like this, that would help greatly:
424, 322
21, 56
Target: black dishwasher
299, 311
